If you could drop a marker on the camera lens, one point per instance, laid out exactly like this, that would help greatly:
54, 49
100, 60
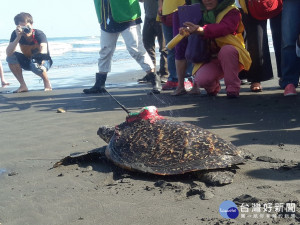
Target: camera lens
26, 30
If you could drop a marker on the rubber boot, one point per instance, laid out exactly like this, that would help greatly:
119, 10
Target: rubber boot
156, 83
99, 86
145, 79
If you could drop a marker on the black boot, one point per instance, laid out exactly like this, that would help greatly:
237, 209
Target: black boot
99, 86
145, 79
156, 83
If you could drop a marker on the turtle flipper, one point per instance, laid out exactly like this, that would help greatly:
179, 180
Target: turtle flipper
80, 157
216, 178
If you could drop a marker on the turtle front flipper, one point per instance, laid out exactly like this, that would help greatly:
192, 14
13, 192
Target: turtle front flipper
82, 157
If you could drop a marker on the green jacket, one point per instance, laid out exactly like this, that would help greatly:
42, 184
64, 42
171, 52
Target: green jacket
122, 10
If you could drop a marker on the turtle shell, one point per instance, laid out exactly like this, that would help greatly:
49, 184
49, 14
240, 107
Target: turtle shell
168, 147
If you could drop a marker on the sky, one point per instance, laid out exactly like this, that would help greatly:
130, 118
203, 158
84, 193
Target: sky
56, 18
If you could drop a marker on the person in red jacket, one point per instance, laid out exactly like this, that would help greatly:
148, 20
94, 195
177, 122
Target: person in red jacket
222, 28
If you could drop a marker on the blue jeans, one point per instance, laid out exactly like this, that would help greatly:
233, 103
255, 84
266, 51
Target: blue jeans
290, 63
168, 33
298, 49
28, 64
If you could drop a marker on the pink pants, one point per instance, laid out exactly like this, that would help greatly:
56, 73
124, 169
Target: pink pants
226, 66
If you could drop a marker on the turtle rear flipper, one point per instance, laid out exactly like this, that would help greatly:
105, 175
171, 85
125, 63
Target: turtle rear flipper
216, 178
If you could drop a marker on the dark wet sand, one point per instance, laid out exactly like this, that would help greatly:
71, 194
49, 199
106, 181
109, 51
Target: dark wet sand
34, 136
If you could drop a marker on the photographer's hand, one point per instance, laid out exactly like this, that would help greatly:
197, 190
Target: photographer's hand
19, 32
11, 48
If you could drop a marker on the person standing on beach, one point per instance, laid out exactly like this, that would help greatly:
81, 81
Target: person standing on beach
290, 64
153, 29
183, 67
3, 82
256, 40
35, 55
298, 46
115, 18
166, 9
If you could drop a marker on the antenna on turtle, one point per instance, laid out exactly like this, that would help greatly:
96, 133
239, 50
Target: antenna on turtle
122, 106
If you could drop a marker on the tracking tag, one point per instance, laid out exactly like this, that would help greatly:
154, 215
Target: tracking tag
108, 20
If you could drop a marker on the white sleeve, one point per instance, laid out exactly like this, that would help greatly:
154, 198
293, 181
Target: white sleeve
238, 4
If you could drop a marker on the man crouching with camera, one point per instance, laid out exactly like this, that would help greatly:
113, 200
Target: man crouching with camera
35, 54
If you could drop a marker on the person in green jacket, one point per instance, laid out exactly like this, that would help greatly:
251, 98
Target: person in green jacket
121, 17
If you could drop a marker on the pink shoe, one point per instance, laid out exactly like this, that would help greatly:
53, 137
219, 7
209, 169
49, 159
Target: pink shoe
290, 90
170, 85
188, 85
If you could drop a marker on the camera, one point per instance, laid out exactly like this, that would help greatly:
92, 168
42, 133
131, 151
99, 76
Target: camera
26, 29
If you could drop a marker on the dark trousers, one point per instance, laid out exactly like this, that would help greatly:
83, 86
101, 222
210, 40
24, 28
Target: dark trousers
256, 40
151, 30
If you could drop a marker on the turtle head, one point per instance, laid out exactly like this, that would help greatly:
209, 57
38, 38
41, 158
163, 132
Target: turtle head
106, 133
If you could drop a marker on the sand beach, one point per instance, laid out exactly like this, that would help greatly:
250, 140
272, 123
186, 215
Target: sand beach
34, 136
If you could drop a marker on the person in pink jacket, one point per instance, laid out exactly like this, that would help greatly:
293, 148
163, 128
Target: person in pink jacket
228, 55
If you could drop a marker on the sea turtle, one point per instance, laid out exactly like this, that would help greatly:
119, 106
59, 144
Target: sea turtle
150, 143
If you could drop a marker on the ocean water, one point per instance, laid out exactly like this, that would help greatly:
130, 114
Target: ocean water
75, 62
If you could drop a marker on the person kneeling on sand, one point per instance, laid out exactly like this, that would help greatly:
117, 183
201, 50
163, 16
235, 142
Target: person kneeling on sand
121, 17
222, 27
35, 54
